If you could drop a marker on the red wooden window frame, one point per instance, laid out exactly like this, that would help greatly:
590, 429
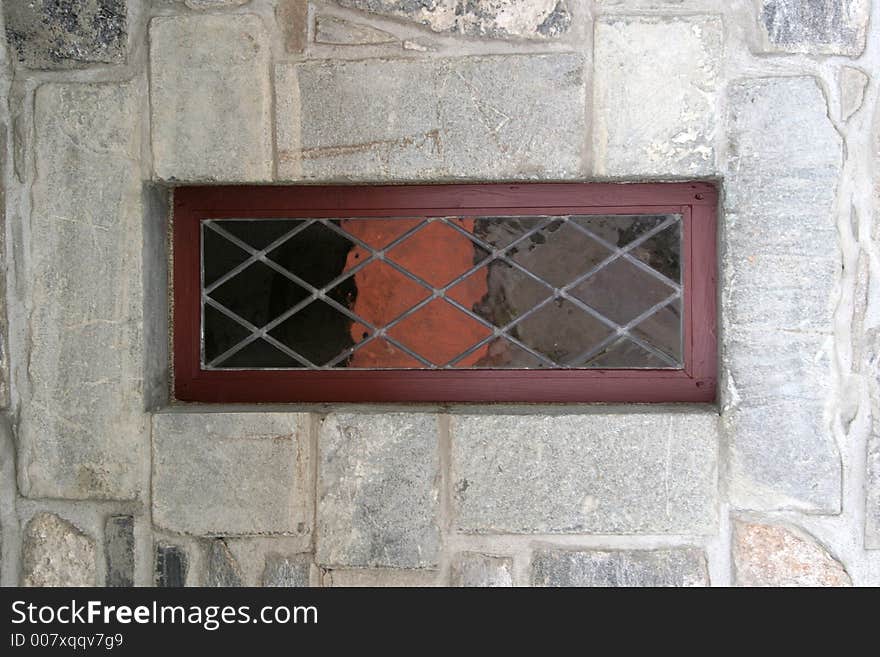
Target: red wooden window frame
696, 382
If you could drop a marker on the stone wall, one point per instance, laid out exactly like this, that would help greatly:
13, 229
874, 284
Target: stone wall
107, 104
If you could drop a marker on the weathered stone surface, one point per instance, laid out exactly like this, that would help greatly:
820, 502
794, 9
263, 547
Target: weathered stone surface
214, 4
287, 570
292, 17
4, 349
603, 473
119, 550
771, 555
55, 553
779, 273
211, 98
251, 475
483, 570
378, 491
333, 30
655, 95
853, 82
47, 34
431, 119
528, 19
872, 486
171, 566
223, 569
380, 577
620, 568
817, 27
82, 430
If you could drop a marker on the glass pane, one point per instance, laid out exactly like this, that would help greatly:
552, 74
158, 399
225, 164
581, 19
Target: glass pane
528, 292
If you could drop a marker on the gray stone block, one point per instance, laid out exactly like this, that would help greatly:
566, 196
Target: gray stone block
527, 19
872, 505
620, 568
55, 553
223, 569
228, 474
210, 98
70, 34
82, 433
379, 578
605, 473
378, 491
780, 269
655, 95
432, 119
171, 566
473, 569
287, 570
119, 550
814, 27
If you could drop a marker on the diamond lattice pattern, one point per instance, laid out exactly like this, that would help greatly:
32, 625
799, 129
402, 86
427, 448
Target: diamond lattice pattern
586, 291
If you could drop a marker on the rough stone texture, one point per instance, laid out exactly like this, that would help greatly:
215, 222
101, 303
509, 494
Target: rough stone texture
614, 474
872, 485
424, 120
853, 82
227, 474
211, 98
55, 553
47, 34
621, 568
380, 577
223, 569
770, 555
332, 30
287, 570
292, 17
378, 491
499, 19
779, 274
4, 349
814, 27
482, 570
214, 4
119, 550
82, 428
656, 119
171, 566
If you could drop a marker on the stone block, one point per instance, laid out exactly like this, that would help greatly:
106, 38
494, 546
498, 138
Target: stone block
292, 17
336, 31
772, 555
55, 553
872, 485
814, 27
228, 474
780, 273
378, 491
458, 118
635, 473
223, 569
524, 19
211, 98
82, 433
620, 568
655, 95
119, 550
70, 34
472, 569
171, 566
379, 578
287, 570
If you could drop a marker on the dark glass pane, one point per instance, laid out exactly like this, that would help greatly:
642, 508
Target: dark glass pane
219, 255
259, 294
316, 254
559, 253
624, 353
620, 229
503, 354
662, 330
662, 252
221, 333
499, 232
258, 233
318, 332
257, 354
621, 291
560, 331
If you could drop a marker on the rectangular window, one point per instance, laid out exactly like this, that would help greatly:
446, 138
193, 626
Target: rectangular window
448, 293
